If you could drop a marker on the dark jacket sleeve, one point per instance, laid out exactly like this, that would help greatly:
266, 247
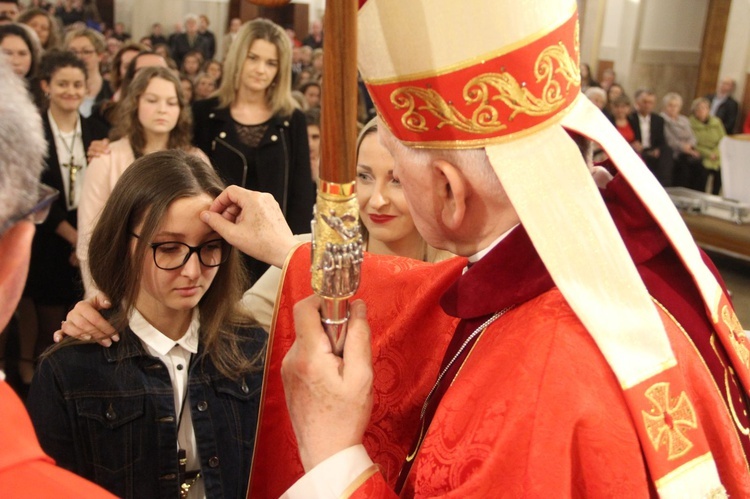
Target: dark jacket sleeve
301, 193
49, 415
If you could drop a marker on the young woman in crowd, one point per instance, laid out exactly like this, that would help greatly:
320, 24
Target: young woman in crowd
89, 46
152, 117
252, 130
54, 281
174, 404
620, 107
120, 63
188, 89
387, 225
21, 49
44, 25
708, 130
214, 69
191, 64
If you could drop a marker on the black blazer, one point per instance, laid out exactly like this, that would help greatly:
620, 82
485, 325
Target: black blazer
52, 280
658, 141
728, 112
280, 165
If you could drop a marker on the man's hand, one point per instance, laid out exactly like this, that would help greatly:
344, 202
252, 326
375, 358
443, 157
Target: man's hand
329, 398
86, 323
253, 223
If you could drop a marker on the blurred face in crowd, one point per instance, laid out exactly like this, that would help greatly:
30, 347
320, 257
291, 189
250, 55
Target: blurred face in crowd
204, 87
159, 107
702, 111
66, 89
381, 199
17, 53
313, 138
191, 65
191, 27
645, 103
261, 66
85, 51
621, 111
234, 25
187, 89
672, 108
214, 70
41, 26
312, 96
8, 11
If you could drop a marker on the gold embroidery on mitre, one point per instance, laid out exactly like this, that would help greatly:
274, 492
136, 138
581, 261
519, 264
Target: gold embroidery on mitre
485, 118
736, 334
668, 419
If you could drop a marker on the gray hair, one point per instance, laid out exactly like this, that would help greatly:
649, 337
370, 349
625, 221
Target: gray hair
671, 96
22, 144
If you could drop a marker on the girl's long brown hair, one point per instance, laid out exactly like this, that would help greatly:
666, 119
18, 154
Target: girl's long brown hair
128, 125
142, 196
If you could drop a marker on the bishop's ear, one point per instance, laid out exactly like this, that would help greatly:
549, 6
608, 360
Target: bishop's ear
451, 189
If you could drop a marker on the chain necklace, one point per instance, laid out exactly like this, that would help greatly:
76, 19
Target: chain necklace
71, 165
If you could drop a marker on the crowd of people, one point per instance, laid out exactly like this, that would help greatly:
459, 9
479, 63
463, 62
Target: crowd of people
681, 150
173, 183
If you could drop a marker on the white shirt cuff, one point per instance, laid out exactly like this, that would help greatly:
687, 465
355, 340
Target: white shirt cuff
332, 477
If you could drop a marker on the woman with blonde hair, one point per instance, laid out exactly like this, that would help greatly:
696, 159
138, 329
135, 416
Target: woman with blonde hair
153, 116
89, 46
252, 130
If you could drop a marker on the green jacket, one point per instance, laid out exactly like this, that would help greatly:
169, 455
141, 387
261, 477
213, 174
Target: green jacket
708, 136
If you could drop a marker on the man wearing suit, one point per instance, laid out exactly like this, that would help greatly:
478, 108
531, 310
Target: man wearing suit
650, 143
723, 105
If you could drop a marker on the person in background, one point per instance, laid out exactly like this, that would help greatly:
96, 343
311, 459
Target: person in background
153, 116
190, 40
650, 143
9, 11
209, 47
188, 89
608, 79
54, 279
587, 79
25, 470
214, 69
44, 25
173, 406
723, 104
192, 63
121, 33
21, 48
708, 130
70, 12
157, 35
205, 86
598, 96
312, 118
252, 131
688, 164
89, 46
311, 92
314, 39
234, 26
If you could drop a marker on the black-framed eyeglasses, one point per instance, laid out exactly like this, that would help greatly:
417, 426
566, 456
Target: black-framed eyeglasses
38, 213
171, 255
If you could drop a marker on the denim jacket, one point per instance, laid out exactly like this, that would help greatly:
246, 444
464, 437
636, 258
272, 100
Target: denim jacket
108, 415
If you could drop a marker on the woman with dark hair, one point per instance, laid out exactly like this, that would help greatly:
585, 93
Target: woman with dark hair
54, 281
172, 409
153, 116
21, 48
252, 130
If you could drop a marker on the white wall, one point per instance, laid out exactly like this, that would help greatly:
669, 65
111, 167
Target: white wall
735, 60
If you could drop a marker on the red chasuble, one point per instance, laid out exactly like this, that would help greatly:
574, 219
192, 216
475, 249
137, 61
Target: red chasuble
535, 410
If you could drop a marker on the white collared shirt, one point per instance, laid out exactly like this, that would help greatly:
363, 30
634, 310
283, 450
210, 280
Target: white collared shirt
176, 357
63, 142
645, 124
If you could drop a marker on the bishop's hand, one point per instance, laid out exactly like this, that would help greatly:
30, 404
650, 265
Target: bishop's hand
329, 397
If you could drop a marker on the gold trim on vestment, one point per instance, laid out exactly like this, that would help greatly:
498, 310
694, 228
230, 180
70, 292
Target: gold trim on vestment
362, 478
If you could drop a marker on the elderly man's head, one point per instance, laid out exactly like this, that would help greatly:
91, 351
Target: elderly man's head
23, 149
